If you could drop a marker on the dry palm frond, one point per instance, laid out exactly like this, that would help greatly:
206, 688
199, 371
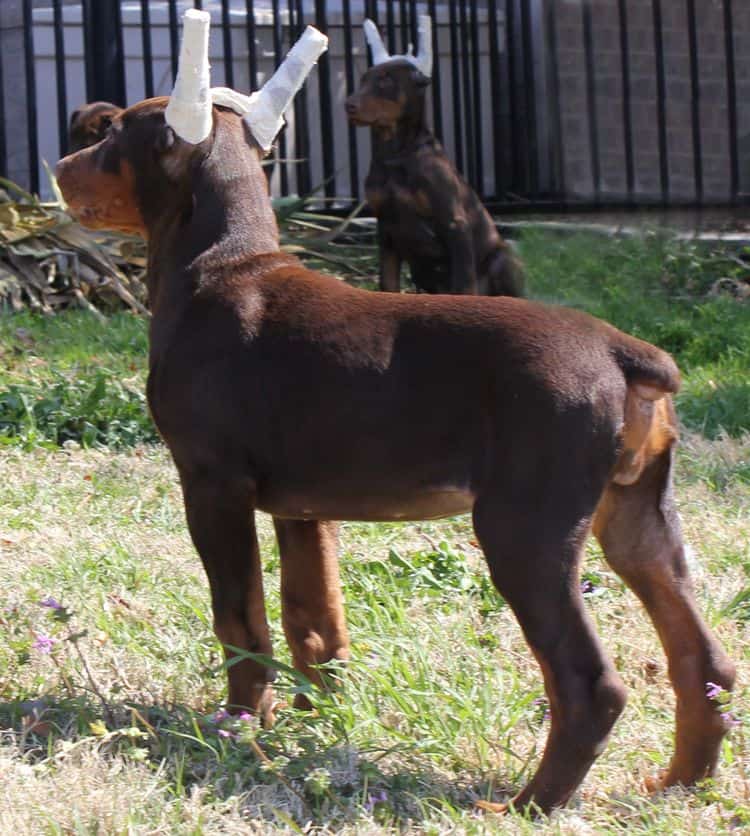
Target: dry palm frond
48, 261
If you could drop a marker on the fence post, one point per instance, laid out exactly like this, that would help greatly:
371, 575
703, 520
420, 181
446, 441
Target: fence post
105, 62
15, 151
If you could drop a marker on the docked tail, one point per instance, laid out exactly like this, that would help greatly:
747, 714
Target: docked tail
652, 371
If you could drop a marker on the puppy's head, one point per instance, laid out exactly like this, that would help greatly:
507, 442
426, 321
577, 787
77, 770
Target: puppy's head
89, 124
388, 93
126, 180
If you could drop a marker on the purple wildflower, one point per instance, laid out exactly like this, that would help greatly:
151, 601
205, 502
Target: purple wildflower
373, 798
587, 587
220, 715
43, 644
245, 717
541, 704
730, 721
713, 690
51, 603
226, 733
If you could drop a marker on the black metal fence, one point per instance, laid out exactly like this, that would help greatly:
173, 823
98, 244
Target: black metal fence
539, 102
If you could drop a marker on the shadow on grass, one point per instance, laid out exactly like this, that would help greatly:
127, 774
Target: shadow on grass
285, 775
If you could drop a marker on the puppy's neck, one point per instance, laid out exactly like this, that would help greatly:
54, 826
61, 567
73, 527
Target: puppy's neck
409, 133
225, 217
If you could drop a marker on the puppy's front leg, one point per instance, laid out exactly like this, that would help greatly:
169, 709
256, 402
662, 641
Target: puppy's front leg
463, 274
390, 265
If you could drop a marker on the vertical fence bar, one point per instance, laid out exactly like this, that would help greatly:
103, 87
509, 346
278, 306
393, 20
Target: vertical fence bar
349, 72
174, 46
226, 27
252, 58
390, 26
148, 67
557, 150
437, 109
302, 116
62, 94
510, 50
529, 84
468, 103
661, 101
588, 44
28, 47
197, 4
413, 23
3, 123
734, 163
695, 89
627, 116
477, 96
497, 120
326, 115
458, 140
277, 57
403, 23
104, 53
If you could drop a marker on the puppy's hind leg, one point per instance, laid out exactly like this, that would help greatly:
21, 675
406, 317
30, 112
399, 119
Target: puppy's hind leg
534, 565
639, 530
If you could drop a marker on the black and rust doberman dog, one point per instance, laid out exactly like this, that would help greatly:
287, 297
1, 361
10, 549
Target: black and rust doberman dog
428, 215
89, 124
284, 390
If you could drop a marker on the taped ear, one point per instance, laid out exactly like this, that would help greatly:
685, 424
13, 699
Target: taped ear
189, 110
422, 60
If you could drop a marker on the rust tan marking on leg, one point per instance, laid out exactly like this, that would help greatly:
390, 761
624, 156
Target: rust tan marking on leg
648, 431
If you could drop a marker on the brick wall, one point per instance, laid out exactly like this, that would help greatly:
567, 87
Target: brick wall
608, 111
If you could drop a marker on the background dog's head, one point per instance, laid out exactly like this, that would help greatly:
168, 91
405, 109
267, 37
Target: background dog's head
389, 93
89, 124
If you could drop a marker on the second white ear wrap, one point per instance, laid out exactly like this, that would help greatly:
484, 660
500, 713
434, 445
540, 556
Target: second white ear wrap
266, 112
189, 111
422, 60
372, 36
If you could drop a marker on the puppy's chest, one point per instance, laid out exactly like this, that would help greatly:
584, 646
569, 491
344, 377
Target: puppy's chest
393, 194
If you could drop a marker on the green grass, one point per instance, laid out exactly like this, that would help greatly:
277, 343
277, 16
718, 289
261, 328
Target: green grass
73, 378
659, 290
114, 730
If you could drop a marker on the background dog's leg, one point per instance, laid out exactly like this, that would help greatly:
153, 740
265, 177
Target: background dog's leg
463, 272
639, 530
534, 564
311, 604
222, 524
390, 265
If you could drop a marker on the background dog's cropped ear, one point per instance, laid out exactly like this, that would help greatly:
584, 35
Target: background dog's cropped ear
165, 139
73, 116
420, 79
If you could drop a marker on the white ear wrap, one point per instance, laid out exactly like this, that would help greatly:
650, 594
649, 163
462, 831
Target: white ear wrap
189, 110
422, 60
372, 36
267, 105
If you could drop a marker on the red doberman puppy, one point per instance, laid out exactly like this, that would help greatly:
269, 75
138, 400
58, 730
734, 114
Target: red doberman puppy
428, 215
89, 124
283, 390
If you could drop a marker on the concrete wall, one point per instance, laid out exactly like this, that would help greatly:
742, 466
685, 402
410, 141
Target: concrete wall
714, 114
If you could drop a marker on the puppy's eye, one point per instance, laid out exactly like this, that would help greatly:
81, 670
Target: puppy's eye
106, 123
